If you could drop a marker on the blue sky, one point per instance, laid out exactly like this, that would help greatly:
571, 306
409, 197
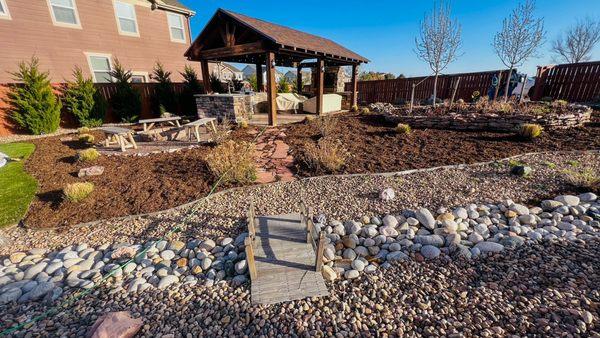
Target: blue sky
384, 30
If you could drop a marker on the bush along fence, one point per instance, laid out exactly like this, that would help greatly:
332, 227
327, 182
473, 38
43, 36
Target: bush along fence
576, 82
107, 90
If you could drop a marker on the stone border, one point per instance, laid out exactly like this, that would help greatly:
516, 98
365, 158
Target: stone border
388, 174
494, 122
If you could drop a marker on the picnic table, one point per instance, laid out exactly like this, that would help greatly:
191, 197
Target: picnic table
194, 127
149, 123
121, 136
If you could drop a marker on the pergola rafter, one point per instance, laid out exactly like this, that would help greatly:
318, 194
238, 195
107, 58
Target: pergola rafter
232, 37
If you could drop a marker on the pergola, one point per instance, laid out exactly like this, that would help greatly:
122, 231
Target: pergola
233, 37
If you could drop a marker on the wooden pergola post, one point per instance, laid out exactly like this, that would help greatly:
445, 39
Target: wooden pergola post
205, 76
354, 97
320, 85
271, 89
259, 78
299, 80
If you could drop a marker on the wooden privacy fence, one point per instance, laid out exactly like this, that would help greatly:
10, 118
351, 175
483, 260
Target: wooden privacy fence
393, 90
574, 82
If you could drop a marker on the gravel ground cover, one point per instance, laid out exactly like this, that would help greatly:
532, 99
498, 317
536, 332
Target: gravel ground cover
549, 289
375, 147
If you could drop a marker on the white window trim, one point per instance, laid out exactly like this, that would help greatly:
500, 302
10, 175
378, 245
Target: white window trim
6, 14
182, 28
89, 60
146, 75
64, 24
122, 32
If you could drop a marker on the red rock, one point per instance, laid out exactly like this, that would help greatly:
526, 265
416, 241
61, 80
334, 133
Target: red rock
115, 325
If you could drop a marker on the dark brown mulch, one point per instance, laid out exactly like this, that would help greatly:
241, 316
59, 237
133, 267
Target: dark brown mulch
375, 147
130, 184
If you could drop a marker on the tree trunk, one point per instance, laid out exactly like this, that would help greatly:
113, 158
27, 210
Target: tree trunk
435, 89
506, 87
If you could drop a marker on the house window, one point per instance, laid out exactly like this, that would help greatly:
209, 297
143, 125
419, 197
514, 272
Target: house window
126, 19
4, 10
64, 13
176, 27
139, 77
101, 67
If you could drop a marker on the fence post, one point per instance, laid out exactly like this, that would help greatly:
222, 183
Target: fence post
523, 88
320, 250
250, 258
412, 97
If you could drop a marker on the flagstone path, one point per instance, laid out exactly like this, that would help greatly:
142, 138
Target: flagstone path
273, 161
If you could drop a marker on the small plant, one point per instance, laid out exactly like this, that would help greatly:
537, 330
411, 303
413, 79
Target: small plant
482, 103
309, 118
81, 99
560, 103
87, 138
327, 156
243, 124
233, 162
284, 86
550, 165
325, 125
460, 105
515, 163
530, 131
364, 110
215, 84
584, 178
402, 128
126, 102
83, 130
475, 96
77, 192
33, 105
573, 163
222, 132
354, 109
88, 155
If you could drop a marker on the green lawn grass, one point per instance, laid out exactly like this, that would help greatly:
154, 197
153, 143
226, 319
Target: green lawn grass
17, 188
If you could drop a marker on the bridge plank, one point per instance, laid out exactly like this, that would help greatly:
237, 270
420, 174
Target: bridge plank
285, 263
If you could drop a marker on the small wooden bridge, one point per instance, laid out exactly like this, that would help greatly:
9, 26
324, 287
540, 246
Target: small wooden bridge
285, 257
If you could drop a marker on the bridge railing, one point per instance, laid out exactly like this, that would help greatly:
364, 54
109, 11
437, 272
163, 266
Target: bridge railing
249, 241
314, 238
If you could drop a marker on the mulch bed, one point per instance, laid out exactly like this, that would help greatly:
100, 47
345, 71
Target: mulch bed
375, 147
129, 185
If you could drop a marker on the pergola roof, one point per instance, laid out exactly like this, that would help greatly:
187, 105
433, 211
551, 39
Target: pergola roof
296, 45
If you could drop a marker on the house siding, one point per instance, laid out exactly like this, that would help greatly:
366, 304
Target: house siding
30, 31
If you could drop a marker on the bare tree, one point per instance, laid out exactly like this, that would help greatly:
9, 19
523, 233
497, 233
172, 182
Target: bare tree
520, 37
438, 41
578, 42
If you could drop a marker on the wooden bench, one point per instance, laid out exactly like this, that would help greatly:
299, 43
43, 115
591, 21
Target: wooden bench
121, 136
149, 123
194, 127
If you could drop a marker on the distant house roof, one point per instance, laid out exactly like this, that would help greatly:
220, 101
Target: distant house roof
231, 67
252, 69
172, 4
295, 38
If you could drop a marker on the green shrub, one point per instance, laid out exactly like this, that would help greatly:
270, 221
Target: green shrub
354, 109
284, 86
126, 102
79, 98
77, 192
191, 87
216, 85
402, 128
529, 131
88, 155
83, 130
87, 138
165, 93
364, 110
243, 124
233, 162
584, 178
33, 105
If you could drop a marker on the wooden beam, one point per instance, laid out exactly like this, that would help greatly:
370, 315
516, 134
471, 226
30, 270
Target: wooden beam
354, 97
205, 77
237, 50
259, 78
271, 89
250, 258
320, 85
299, 80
